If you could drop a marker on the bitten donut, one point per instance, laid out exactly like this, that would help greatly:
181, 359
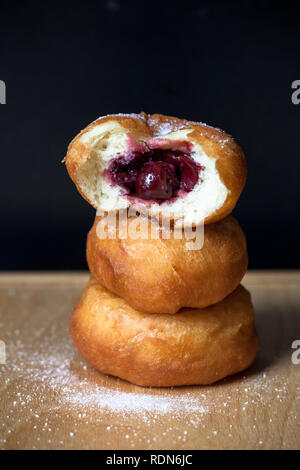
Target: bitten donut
195, 347
160, 275
158, 164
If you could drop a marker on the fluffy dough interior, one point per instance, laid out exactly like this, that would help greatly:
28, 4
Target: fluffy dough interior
109, 140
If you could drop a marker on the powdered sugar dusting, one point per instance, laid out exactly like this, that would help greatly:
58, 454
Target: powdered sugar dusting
128, 115
53, 392
54, 370
51, 398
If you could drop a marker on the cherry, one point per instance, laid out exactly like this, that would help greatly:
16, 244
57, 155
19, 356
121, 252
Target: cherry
156, 174
156, 180
127, 178
189, 171
189, 174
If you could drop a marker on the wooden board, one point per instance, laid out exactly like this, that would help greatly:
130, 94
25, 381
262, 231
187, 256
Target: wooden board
52, 399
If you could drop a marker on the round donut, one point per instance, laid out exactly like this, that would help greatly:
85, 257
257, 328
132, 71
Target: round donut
160, 275
158, 164
193, 347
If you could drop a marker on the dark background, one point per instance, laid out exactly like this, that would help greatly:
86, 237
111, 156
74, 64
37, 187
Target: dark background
230, 64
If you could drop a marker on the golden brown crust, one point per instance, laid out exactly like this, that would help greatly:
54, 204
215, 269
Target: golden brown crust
161, 276
230, 160
135, 125
192, 347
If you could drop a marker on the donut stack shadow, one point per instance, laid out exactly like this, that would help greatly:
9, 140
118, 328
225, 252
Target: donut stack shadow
154, 312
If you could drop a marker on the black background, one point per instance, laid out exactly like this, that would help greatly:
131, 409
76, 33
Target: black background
230, 64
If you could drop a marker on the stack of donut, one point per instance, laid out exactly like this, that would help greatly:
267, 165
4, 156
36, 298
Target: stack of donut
158, 310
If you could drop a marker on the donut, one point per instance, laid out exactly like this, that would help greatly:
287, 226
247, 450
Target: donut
194, 347
157, 273
158, 165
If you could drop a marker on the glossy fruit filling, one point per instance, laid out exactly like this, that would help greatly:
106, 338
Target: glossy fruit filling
156, 174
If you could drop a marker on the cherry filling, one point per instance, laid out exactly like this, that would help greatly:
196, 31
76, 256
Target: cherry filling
157, 174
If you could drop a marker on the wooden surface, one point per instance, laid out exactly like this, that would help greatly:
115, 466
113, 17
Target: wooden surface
52, 399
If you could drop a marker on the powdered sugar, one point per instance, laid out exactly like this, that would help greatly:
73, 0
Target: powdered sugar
54, 370
51, 390
51, 398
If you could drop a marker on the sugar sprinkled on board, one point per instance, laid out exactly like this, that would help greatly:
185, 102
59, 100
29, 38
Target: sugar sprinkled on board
55, 372
47, 369
50, 369
53, 396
